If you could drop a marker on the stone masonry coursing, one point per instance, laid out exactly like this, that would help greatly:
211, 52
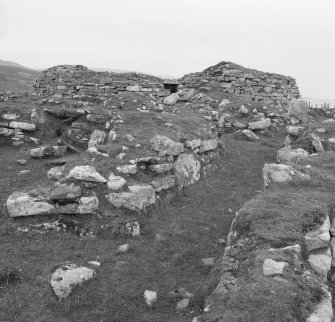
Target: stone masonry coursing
78, 82
249, 84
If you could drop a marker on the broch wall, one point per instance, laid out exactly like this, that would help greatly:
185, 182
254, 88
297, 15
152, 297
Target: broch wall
249, 84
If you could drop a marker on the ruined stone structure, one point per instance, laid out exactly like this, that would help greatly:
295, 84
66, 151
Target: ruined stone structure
78, 82
249, 84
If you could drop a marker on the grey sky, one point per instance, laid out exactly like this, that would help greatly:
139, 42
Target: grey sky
175, 37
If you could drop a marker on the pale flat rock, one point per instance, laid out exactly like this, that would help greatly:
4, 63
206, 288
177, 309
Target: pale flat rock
161, 168
86, 173
20, 204
139, 197
323, 311
182, 305
171, 99
22, 126
187, 170
259, 125
165, 146
48, 151
223, 103
320, 261
318, 238
208, 145
6, 132
65, 278
271, 267
127, 169
115, 182
290, 156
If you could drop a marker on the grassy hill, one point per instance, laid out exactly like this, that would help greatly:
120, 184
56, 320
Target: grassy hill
14, 77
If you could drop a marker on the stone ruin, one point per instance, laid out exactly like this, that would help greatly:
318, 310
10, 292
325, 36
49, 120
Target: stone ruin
78, 82
248, 84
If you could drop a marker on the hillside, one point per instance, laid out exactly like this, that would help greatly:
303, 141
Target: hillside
14, 77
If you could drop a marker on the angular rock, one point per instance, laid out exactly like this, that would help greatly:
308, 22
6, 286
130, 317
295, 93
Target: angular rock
323, 311
271, 267
193, 144
294, 131
20, 204
299, 109
88, 205
86, 173
320, 261
139, 197
55, 173
250, 135
182, 305
65, 193
187, 170
171, 99
161, 168
48, 151
6, 132
318, 238
22, 126
208, 145
163, 183
115, 182
165, 146
259, 125
65, 278
290, 156
97, 137
223, 103
274, 172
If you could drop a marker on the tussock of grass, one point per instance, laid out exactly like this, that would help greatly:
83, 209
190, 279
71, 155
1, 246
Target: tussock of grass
280, 218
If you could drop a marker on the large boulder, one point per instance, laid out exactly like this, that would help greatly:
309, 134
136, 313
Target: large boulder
187, 170
259, 125
273, 172
171, 99
86, 173
115, 182
165, 146
65, 278
323, 311
139, 197
320, 262
290, 156
20, 204
299, 109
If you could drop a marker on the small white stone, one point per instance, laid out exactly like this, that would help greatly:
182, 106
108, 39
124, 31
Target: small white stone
150, 297
271, 267
123, 249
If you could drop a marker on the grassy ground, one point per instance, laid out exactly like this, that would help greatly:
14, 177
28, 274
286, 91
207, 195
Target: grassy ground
189, 227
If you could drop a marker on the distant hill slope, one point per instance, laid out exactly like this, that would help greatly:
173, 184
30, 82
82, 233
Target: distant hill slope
14, 77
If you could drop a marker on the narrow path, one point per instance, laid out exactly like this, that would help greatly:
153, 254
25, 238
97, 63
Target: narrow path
189, 229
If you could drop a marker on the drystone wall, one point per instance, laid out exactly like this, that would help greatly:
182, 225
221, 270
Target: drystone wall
249, 84
78, 82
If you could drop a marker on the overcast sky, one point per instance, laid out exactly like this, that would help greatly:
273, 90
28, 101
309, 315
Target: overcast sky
175, 37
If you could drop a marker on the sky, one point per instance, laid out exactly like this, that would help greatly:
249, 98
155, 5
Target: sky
176, 37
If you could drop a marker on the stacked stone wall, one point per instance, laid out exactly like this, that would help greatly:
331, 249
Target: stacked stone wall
249, 84
78, 82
